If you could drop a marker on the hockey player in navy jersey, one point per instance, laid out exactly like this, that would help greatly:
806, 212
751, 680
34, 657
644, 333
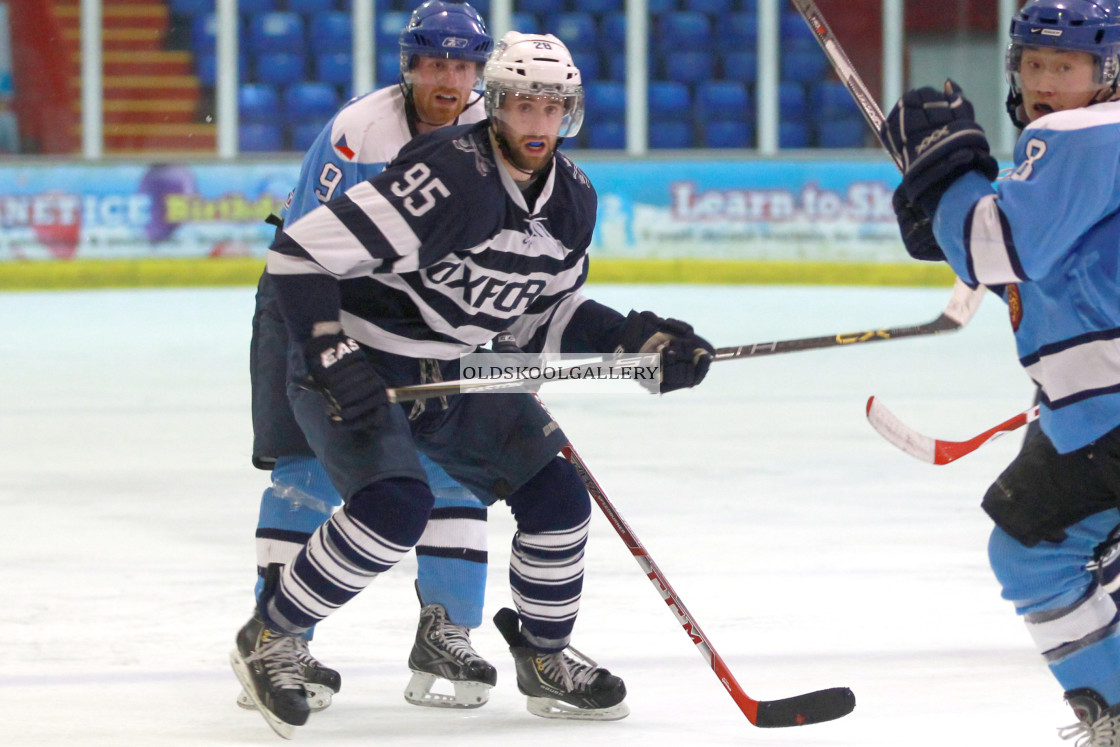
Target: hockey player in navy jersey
1047, 239
443, 50
470, 232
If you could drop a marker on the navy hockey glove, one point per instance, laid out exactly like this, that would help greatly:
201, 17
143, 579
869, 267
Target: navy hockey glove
916, 228
343, 375
935, 137
685, 355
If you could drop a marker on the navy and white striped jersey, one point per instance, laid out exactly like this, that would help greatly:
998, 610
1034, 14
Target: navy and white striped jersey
355, 145
440, 252
1048, 240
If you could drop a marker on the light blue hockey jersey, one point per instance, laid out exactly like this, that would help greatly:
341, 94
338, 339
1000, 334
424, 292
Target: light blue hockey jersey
1047, 239
355, 145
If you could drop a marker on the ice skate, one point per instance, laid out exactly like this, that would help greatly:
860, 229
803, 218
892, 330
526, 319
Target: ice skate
443, 651
266, 661
1097, 724
320, 682
565, 684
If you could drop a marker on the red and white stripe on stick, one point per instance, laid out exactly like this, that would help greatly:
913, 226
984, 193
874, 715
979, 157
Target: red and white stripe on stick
936, 450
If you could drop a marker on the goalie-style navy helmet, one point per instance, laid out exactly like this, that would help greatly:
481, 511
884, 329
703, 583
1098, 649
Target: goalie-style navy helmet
452, 30
1090, 26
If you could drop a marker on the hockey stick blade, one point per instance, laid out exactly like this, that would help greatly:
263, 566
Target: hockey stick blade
810, 708
935, 450
799, 710
957, 313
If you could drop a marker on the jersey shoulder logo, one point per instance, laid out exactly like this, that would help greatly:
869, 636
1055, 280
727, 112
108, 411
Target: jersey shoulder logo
1014, 306
344, 149
469, 144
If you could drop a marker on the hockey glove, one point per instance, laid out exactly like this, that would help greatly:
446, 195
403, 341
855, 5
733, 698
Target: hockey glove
343, 375
685, 355
934, 135
916, 228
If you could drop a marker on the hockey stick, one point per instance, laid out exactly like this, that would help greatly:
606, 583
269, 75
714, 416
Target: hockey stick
845, 70
957, 313
799, 710
934, 450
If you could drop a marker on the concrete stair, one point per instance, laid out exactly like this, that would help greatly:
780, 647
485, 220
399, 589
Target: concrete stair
151, 95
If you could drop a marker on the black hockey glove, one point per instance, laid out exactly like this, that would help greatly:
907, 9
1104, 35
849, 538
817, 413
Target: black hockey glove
916, 228
936, 139
685, 355
343, 375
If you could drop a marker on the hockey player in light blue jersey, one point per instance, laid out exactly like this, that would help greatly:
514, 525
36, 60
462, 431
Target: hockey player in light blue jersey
443, 50
1047, 240
470, 232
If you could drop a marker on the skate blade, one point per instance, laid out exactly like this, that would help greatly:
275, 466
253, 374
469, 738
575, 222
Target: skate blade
282, 728
551, 708
467, 694
319, 698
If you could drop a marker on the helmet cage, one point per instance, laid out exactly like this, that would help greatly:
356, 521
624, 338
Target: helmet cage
1086, 26
444, 30
531, 65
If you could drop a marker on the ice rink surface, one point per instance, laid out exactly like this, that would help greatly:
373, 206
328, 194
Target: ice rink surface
811, 551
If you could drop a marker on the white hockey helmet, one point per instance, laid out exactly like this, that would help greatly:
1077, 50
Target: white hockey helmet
536, 65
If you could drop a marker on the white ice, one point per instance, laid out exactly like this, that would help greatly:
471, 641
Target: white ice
812, 553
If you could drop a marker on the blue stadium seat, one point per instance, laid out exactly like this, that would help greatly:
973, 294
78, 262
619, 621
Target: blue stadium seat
598, 6
250, 8
803, 66
260, 137
482, 6
608, 134
748, 6
206, 67
683, 30
740, 66
723, 100
335, 68
669, 101
727, 134
190, 8
792, 101
311, 8
280, 68
389, 28
605, 100
313, 102
832, 100
613, 33
665, 134
588, 64
616, 66
330, 32
527, 23
710, 7
689, 67
278, 31
576, 30
738, 32
842, 133
794, 33
793, 135
204, 33
257, 102
657, 7
540, 7
388, 66
304, 134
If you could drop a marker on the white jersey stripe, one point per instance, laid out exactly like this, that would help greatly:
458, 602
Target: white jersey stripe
391, 223
1086, 367
346, 254
989, 246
